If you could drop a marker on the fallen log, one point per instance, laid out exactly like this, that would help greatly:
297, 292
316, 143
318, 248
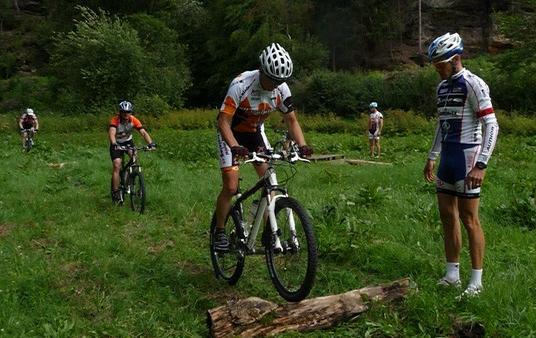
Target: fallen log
256, 317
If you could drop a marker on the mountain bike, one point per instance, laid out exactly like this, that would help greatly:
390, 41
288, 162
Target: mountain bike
132, 182
287, 240
28, 140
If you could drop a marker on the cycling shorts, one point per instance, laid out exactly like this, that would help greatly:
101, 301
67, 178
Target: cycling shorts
456, 162
256, 141
373, 136
115, 153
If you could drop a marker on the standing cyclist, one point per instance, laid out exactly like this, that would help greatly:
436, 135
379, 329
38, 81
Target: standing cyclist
120, 136
375, 126
28, 123
465, 137
251, 97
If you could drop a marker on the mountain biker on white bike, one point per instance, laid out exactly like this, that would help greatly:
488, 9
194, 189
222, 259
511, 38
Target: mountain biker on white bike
120, 136
28, 122
251, 97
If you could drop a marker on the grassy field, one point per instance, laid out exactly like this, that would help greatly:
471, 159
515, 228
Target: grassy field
71, 264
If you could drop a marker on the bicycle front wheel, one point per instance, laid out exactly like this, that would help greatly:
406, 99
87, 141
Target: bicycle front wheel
293, 269
137, 192
227, 265
28, 144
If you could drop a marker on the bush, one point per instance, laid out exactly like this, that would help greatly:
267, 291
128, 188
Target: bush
26, 91
104, 60
151, 105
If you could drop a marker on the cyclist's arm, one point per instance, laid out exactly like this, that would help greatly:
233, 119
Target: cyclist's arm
145, 136
381, 126
20, 123
294, 128
36, 123
111, 134
224, 126
491, 130
436, 146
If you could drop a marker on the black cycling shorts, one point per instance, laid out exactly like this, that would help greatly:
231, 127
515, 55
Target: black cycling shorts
114, 153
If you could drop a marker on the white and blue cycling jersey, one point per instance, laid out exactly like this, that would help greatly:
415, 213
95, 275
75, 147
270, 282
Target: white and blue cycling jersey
464, 108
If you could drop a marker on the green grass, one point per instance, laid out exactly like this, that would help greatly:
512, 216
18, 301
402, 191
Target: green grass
71, 264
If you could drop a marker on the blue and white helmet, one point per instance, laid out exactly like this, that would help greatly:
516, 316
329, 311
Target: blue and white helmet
445, 47
276, 62
373, 105
125, 106
30, 112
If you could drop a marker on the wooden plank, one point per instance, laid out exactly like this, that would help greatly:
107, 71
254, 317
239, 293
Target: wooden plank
359, 162
326, 157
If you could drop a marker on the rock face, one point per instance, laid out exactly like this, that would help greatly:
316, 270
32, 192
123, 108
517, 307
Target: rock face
472, 19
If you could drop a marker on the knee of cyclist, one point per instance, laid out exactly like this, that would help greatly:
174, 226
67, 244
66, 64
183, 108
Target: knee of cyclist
229, 190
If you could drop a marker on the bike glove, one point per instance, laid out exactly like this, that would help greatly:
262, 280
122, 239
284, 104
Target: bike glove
151, 145
239, 152
305, 151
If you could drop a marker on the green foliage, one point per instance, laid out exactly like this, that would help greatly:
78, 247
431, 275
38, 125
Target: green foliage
347, 94
26, 91
105, 60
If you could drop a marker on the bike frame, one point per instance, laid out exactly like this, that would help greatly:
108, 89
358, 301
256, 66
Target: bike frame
271, 193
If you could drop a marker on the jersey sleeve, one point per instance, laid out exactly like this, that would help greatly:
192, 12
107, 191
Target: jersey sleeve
479, 97
285, 105
114, 122
232, 98
136, 123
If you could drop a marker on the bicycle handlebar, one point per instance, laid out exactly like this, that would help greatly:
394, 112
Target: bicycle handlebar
291, 157
127, 148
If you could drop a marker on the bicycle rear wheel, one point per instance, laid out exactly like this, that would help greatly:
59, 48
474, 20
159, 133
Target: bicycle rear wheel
137, 191
230, 264
293, 270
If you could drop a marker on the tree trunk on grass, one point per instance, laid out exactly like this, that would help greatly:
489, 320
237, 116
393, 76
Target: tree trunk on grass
253, 317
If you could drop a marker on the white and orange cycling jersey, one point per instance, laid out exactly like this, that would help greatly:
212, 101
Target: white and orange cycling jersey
249, 104
124, 128
463, 106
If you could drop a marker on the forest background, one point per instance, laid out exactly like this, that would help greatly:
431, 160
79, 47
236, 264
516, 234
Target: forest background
85, 56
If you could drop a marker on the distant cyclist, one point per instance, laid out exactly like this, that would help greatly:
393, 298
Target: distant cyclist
375, 126
120, 136
251, 97
28, 122
464, 140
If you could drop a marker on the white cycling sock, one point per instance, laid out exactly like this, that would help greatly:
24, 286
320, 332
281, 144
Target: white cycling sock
476, 277
453, 271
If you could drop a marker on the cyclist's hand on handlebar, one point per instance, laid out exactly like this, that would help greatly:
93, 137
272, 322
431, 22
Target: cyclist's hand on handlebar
151, 146
305, 151
239, 152
117, 146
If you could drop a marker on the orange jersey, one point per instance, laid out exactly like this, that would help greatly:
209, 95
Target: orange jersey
250, 105
124, 128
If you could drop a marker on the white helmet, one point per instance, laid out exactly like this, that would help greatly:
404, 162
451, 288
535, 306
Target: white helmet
275, 62
373, 105
125, 106
445, 47
29, 111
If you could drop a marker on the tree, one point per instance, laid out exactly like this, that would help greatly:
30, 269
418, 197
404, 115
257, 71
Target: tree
104, 60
